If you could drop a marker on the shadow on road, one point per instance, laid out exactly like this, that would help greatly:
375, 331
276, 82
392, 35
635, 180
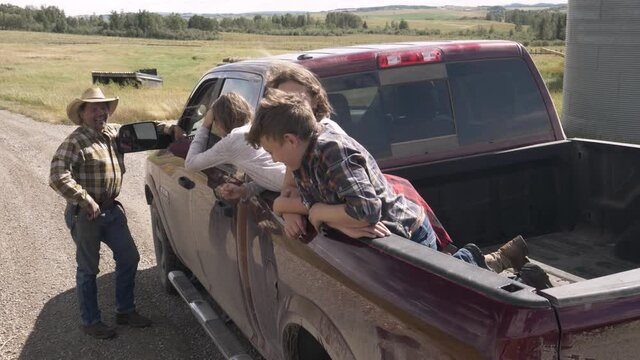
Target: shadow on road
175, 333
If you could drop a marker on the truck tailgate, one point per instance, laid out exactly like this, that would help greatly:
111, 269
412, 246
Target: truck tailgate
599, 318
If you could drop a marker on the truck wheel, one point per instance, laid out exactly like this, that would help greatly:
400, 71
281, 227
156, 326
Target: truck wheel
166, 259
302, 345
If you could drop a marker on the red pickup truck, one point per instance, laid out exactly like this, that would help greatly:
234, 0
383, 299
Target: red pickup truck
472, 126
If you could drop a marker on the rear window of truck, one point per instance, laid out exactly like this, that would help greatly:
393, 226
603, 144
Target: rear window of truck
438, 107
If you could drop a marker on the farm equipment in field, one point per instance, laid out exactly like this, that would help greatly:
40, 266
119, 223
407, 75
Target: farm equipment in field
142, 77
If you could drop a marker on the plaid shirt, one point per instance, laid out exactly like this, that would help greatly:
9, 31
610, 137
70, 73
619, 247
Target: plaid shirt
88, 164
336, 169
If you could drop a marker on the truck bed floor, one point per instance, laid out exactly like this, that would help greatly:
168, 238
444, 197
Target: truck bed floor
578, 254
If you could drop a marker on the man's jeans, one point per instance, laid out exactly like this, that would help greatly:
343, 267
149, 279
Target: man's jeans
426, 236
111, 228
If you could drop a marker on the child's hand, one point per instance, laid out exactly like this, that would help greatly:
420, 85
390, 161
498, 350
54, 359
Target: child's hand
208, 119
230, 191
294, 225
289, 192
314, 217
370, 231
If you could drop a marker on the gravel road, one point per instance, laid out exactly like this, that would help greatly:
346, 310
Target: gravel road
38, 308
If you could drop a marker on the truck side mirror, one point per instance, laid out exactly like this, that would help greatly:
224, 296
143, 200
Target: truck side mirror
139, 137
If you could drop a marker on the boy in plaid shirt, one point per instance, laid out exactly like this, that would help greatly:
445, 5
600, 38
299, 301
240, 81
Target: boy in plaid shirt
339, 182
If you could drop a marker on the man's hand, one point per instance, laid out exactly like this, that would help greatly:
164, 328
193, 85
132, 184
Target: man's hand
93, 210
370, 231
178, 133
294, 225
231, 191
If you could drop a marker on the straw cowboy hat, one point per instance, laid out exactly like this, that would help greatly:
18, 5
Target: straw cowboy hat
91, 95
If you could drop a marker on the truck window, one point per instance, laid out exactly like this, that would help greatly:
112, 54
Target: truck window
248, 88
394, 120
496, 100
193, 114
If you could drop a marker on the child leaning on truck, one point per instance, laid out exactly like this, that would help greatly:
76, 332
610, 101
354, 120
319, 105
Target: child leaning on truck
339, 182
229, 117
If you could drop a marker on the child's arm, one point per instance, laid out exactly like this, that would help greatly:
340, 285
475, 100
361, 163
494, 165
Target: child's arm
220, 153
243, 192
293, 205
336, 217
333, 215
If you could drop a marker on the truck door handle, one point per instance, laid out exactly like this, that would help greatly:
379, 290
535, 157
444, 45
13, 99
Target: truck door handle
186, 183
226, 209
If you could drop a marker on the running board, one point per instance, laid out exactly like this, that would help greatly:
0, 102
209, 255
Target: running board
213, 324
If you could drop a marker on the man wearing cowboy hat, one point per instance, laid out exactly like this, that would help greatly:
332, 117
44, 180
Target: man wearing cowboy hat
87, 171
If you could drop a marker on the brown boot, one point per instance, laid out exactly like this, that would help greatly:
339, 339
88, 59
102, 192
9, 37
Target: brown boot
99, 330
510, 255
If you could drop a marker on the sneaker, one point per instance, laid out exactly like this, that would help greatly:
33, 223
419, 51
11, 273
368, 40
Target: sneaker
534, 276
133, 319
478, 257
99, 330
510, 255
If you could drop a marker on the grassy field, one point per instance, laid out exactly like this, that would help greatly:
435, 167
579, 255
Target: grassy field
445, 19
41, 72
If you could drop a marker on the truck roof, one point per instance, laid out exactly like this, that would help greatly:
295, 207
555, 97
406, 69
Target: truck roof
341, 60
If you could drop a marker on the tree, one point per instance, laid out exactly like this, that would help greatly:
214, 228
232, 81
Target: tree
495, 13
343, 20
175, 22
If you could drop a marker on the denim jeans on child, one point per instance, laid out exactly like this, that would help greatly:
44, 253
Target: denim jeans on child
426, 236
111, 228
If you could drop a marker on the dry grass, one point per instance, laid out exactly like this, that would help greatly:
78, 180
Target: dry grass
41, 72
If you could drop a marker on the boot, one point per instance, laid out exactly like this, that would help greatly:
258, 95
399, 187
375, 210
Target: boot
99, 330
534, 276
510, 255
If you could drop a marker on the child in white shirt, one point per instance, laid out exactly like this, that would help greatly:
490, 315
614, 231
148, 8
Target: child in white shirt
229, 117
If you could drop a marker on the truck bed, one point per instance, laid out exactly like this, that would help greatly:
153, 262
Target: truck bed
574, 256
578, 254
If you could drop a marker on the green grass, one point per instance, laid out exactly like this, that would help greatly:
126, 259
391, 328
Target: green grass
444, 19
41, 73
551, 68
448, 13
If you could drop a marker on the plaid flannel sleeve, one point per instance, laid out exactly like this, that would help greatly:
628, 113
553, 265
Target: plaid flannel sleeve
60, 176
349, 177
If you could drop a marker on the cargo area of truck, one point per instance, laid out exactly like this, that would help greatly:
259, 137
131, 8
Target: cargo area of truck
569, 257
572, 201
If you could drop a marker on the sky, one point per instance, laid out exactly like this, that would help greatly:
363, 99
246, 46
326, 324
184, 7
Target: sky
75, 7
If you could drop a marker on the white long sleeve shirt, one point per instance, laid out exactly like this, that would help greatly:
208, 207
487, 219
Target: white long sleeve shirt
233, 149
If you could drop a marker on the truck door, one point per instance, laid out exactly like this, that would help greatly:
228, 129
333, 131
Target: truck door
177, 183
215, 222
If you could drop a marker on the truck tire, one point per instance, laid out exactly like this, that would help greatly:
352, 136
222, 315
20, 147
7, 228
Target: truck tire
301, 345
166, 259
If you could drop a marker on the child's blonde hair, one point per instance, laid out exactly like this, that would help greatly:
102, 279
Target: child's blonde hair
231, 111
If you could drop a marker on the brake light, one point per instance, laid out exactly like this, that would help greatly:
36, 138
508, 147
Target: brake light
409, 57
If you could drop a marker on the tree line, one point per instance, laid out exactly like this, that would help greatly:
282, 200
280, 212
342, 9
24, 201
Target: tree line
141, 24
543, 24
174, 26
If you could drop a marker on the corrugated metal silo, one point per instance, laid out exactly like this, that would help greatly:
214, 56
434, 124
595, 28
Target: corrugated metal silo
601, 97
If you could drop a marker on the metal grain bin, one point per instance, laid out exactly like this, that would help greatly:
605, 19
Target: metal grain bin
602, 70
